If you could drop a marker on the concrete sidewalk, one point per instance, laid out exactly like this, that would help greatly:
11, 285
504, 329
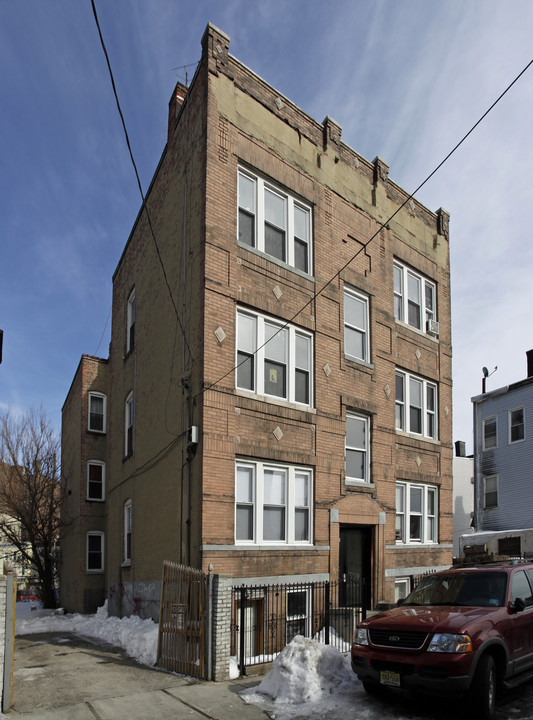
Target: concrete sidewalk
59, 676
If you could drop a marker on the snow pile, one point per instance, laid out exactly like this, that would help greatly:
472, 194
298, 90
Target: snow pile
136, 636
308, 680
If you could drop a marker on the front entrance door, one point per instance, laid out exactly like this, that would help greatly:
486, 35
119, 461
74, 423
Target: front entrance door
355, 561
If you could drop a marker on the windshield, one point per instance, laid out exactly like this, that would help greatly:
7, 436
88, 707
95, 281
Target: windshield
472, 589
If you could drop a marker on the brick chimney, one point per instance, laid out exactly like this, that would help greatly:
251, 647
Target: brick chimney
176, 101
529, 355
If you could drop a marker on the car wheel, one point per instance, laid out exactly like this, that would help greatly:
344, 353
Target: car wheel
482, 694
372, 688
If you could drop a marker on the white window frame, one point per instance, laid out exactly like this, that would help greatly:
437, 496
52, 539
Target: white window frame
257, 502
521, 409
102, 396
365, 448
130, 323
101, 464
129, 424
128, 529
484, 423
351, 326
402, 588
91, 534
404, 404
404, 276
255, 350
257, 211
429, 522
495, 491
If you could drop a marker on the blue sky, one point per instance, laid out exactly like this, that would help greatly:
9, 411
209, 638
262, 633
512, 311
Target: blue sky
406, 79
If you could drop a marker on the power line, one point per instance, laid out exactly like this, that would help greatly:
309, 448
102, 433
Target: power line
144, 206
380, 228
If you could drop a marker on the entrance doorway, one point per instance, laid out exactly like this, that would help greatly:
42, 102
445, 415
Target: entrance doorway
355, 559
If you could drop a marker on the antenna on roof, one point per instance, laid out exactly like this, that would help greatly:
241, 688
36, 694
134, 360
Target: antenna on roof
486, 374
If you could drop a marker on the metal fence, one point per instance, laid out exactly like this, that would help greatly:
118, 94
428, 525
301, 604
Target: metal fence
266, 617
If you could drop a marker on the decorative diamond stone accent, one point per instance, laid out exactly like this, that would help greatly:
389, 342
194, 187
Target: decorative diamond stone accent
446, 411
418, 461
220, 335
278, 434
418, 354
386, 390
277, 291
279, 103
327, 370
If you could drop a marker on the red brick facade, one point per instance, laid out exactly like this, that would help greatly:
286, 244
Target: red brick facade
192, 276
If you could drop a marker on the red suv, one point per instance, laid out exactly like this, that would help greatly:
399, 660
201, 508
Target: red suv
461, 632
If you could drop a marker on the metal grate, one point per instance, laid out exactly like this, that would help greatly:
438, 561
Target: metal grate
398, 639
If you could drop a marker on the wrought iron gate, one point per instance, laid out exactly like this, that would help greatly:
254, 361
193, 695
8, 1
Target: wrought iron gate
182, 620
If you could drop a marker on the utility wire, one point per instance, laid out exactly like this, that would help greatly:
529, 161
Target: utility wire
380, 228
138, 178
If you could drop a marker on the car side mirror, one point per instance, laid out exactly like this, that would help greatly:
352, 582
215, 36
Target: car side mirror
519, 605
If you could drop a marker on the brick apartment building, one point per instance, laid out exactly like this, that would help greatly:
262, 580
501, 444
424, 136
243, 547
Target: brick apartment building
276, 405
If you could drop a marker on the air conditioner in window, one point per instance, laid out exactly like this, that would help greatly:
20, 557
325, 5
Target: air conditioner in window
432, 327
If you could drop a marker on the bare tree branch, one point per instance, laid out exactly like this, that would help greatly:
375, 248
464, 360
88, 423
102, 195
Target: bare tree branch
31, 493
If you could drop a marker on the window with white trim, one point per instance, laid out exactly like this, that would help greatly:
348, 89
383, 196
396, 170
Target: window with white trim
414, 297
130, 336
357, 448
128, 425
416, 513
95, 480
273, 358
402, 588
95, 552
97, 412
490, 492
517, 426
490, 432
274, 222
272, 503
416, 405
356, 325
128, 525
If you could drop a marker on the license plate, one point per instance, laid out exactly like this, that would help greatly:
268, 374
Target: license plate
387, 677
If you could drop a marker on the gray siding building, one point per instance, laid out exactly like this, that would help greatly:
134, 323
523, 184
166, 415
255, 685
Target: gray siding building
503, 456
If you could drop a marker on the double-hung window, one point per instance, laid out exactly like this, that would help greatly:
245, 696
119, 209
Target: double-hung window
416, 405
356, 325
95, 480
357, 448
273, 358
128, 425
490, 432
95, 551
272, 503
274, 222
416, 513
128, 525
516, 425
490, 492
414, 298
130, 320
97, 412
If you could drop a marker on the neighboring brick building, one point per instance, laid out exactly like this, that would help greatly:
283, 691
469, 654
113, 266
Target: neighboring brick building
83, 465
327, 449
